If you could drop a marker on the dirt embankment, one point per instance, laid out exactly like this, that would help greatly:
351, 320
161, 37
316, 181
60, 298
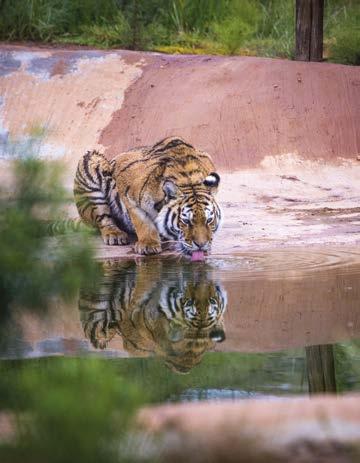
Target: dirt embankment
285, 135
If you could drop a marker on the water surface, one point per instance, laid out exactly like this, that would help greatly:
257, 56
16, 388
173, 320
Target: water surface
252, 325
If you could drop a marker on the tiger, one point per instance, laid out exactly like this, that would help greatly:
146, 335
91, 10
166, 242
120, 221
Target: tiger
163, 308
150, 196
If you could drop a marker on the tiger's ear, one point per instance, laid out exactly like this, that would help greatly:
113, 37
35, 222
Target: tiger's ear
212, 181
170, 190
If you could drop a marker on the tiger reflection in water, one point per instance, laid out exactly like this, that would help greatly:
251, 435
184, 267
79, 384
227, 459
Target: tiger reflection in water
160, 307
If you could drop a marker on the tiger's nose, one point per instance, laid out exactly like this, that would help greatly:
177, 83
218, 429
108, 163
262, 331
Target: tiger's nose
200, 245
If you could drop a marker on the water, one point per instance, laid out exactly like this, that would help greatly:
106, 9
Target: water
253, 325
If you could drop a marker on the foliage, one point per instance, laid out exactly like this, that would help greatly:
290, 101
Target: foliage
46, 19
347, 366
276, 30
103, 34
240, 25
342, 33
30, 272
67, 410
255, 27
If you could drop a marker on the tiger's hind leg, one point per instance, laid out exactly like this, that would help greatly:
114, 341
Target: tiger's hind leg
97, 200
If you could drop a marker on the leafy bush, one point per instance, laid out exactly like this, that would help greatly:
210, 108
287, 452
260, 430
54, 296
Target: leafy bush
67, 410
346, 48
104, 35
342, 34
46, 19
30, 272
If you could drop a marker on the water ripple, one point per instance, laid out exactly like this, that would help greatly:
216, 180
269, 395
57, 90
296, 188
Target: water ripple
286, 263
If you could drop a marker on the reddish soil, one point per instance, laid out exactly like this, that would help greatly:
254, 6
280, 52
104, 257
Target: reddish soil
242, 109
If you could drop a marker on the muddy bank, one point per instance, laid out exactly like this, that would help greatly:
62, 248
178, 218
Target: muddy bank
323, 429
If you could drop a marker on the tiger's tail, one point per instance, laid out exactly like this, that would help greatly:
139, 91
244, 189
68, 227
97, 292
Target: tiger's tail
64, 226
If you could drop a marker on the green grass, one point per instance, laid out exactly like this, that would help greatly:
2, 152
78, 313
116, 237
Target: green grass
238, 27
342, 32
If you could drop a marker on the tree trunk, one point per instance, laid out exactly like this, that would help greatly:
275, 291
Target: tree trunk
309, 30
320, 366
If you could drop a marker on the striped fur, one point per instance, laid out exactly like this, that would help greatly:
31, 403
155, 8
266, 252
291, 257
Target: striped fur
98, 201
151, 194
157, 310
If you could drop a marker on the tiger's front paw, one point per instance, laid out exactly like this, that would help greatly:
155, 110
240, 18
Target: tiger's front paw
113, 237
147, 248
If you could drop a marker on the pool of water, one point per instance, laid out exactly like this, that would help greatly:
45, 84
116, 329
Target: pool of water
254, 325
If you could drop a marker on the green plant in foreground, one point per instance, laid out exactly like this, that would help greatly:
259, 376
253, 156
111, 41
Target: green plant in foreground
31, 272
68, 410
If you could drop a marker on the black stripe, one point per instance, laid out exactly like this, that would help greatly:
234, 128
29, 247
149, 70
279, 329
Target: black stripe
84, 182
169, 231
172, 144
99, 176
87, 170
100, 217
134, 162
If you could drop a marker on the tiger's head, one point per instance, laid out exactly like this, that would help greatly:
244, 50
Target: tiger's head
191, 215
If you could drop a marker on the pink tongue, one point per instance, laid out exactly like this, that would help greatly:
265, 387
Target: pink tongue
197, 255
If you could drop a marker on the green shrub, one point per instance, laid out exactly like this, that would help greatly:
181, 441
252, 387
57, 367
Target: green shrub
232, 33
241, 23
68, 410
45, 20
342, 33
103, 35
30, 272
346, 47
275, 36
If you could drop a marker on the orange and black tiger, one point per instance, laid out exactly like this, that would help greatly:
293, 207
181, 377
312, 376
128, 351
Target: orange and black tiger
152, 194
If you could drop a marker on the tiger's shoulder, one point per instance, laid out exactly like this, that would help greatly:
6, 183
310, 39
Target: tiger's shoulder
142, 172
174, 152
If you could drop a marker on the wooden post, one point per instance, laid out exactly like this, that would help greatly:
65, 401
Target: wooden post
309, 30
320, 367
